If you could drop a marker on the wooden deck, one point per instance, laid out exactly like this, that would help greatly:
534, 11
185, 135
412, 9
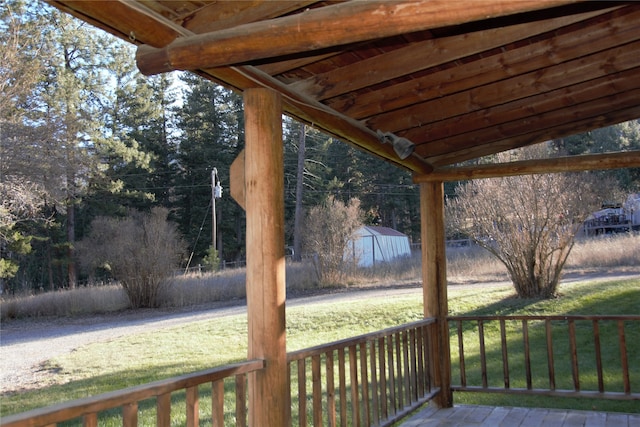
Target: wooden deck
486, 416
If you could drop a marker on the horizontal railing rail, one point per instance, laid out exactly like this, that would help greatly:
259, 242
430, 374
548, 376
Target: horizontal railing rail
89, 409
372, 379
577, 356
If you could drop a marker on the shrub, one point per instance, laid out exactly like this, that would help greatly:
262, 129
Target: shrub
141, 252
329, 228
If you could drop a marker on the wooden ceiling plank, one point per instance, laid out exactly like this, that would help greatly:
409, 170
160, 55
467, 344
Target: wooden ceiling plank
460, 127
515, 128
536, 136
586, 162
275, 68
221, 15
490, 69
324, 27
420, 56
589, 67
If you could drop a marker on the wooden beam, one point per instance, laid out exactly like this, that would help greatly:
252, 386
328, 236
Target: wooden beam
269, 396
434, 286
325, 27
586, 162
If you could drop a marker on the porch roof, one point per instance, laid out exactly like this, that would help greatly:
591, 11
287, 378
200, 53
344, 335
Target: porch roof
459, 79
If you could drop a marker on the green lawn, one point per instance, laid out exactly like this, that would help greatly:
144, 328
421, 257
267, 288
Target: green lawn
146, 357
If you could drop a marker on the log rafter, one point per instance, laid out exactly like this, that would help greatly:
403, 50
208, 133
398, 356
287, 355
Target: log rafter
586, 162
326, 27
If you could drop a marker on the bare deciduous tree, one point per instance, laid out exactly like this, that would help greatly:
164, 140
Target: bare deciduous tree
141, 252
329, 228
527, 222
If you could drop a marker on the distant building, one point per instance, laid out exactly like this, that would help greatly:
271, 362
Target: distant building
373, 245
614, 218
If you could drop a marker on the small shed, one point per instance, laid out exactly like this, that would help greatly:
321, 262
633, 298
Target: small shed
373, 245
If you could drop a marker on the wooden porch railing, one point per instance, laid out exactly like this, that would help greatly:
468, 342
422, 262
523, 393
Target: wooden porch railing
377, 378
372, 379
127, 400
577, 356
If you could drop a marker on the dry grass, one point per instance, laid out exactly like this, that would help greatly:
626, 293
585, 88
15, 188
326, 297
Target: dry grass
464, 265
618, 250
95, 299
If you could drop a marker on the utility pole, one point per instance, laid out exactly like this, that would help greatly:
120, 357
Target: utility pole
216, 193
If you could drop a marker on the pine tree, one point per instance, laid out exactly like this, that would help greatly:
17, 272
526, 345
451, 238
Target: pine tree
212, 135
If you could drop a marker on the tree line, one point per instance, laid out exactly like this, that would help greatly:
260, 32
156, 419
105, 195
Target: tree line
84, 135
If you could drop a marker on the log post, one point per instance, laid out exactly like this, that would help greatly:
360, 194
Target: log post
434, 286
269, 397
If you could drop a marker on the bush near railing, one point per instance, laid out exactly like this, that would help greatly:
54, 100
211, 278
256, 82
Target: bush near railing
577, 356
372, 379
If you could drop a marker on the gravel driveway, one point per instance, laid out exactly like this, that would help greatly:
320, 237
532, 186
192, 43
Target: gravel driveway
25, 345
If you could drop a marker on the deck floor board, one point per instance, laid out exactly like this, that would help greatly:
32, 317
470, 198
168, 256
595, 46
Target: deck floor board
485, 416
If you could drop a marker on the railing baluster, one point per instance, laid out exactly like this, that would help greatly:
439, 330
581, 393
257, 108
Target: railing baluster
574, 355
420, 360
399, 377
413, 367
483, 354
192, 407
241, 400
217, 403
130, 415
88, 420
163, 410
382, 363
624, 361
355, 399
331, 391
550, 362
428, 362
463, 373
505, 355
598, 352
364, 369
405, 362
393, 407
302, 393
316, 381
527, 353
343, 386
375, 404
